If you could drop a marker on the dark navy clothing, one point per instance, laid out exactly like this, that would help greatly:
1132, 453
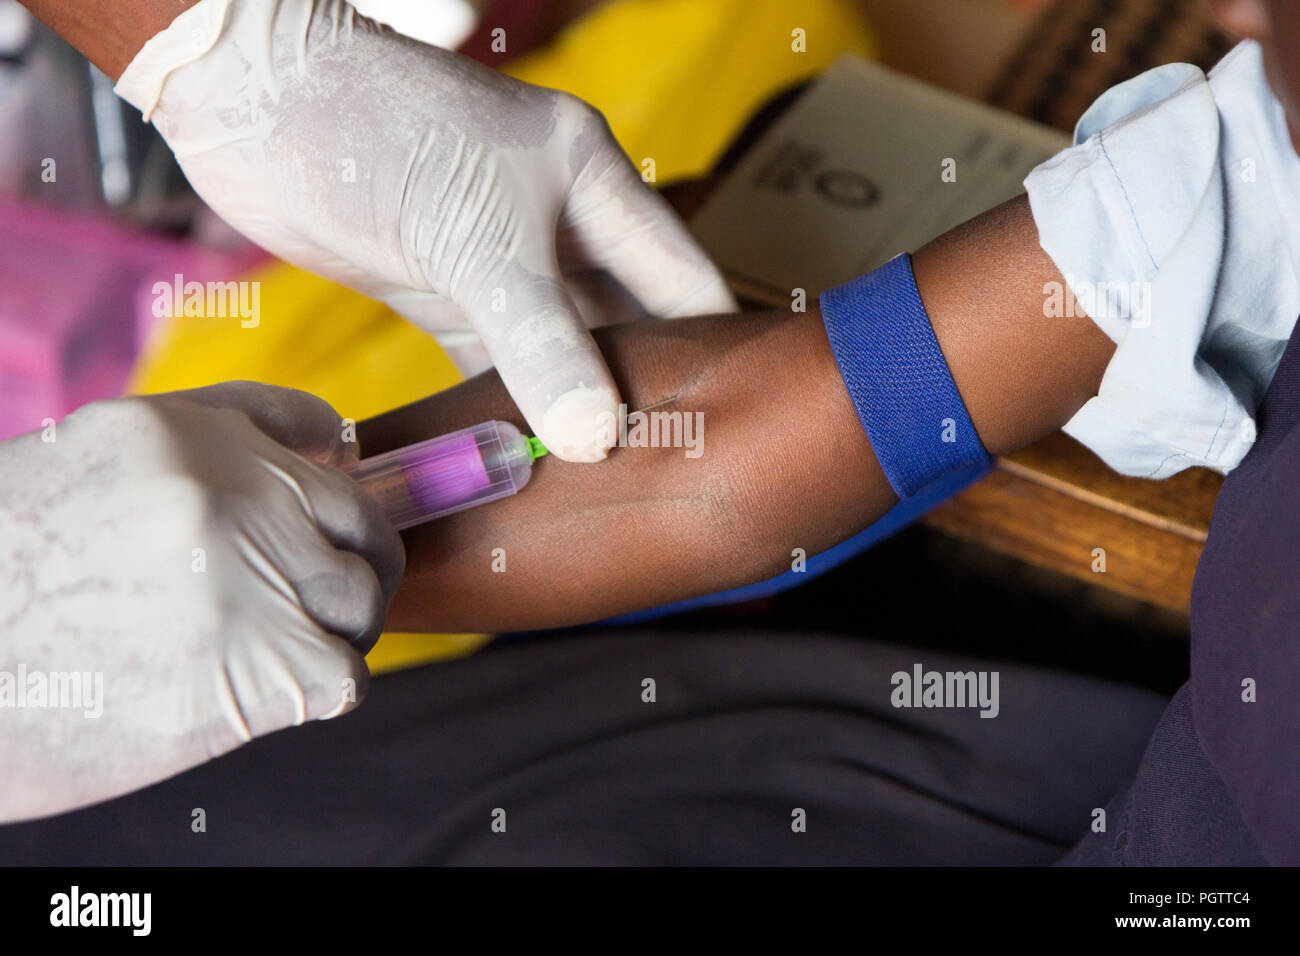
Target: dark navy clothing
745, 730
1220, 781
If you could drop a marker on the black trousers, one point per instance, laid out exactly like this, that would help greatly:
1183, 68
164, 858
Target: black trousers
550, 751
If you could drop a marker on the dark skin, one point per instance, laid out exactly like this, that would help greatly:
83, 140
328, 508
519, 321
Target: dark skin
109, 33
786, 463
1275, 24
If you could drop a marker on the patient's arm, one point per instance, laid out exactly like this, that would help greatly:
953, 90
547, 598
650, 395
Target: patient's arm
108, 32
785, 462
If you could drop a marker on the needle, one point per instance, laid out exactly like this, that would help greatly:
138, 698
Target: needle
670, 398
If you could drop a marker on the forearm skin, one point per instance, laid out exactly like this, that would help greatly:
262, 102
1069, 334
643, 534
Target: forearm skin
109, 33
650, 525
785, 462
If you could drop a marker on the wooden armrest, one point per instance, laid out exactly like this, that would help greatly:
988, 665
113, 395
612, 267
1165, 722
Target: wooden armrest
1058, 506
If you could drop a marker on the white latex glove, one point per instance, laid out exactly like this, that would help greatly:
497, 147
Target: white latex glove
221, 585
457, 195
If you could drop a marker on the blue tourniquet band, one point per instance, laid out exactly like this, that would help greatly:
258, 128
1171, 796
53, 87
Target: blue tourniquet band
903, 392
898, 379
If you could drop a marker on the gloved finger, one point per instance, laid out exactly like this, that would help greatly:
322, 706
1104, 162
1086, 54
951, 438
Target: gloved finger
601, 299
340, 684
615, 221
302, 672
343, 595
548, 361
297, 420
349, 519
446, 322
340, 688
311, 536
320, 676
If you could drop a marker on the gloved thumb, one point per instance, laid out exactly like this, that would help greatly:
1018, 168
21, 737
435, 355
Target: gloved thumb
548, 361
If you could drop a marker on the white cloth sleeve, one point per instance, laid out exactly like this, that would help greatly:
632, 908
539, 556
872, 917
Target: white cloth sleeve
1165, 220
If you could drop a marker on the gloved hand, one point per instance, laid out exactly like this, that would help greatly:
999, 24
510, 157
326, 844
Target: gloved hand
210, 583
457, 195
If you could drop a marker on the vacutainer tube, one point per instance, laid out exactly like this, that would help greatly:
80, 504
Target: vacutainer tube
450, 473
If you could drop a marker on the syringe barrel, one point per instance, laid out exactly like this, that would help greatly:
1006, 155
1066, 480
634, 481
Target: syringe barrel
450, 473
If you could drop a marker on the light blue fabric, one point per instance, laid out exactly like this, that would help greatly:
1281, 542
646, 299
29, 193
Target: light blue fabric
1176, 221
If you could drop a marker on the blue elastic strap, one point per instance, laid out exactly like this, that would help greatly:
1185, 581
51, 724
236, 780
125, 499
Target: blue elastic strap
898, 379
900, 385
904, 394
